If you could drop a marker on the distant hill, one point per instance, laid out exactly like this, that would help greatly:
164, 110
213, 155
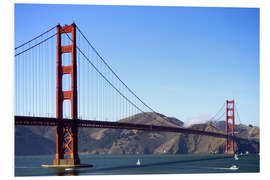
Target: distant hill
29, 143
41, 140
241, 130
115, 141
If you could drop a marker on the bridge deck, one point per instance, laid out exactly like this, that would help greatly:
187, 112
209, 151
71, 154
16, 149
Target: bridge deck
44, 121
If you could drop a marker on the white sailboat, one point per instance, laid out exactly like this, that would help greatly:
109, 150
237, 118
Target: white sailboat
236, 157
138, 162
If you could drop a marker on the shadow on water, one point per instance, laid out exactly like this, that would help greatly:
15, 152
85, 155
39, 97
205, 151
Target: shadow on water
75, 172
64, 172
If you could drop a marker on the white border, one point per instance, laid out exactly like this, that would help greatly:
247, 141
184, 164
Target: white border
216, 3
7, 45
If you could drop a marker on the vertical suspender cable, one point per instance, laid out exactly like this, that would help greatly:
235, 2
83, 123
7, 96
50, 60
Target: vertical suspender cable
236, 107
50, 57
36, 68
23, 99
26, 85
17, 100
47, 76
101, 94
31, 85
88, 90
38, 80
78, 79
33, 82
41, 80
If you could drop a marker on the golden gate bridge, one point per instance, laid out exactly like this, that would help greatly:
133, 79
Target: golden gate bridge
61, 80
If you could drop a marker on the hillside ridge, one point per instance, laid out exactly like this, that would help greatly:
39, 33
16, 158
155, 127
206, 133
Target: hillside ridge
120, 141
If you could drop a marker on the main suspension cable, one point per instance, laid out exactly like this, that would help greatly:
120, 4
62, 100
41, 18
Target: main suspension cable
100, 73
34, 38
113, 71
217, 112
35, 45
220, 116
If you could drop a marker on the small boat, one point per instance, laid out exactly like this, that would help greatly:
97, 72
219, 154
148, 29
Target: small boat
236, 157
138, 162
234, 167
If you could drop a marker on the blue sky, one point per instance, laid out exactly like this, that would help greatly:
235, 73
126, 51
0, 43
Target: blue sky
182, 61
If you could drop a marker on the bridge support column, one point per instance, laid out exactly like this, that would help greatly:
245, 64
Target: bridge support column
66, 137
230, 126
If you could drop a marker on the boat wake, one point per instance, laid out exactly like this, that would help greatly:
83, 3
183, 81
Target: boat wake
69, 169
25, 167
232, 168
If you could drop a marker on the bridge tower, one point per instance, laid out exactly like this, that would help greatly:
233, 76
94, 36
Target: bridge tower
66, 137
230, 126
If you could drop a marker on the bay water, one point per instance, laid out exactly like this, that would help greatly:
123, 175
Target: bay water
150, 164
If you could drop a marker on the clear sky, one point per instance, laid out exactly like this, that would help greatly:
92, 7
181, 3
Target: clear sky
182, 61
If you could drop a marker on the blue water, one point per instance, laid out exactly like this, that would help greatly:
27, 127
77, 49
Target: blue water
150, 164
